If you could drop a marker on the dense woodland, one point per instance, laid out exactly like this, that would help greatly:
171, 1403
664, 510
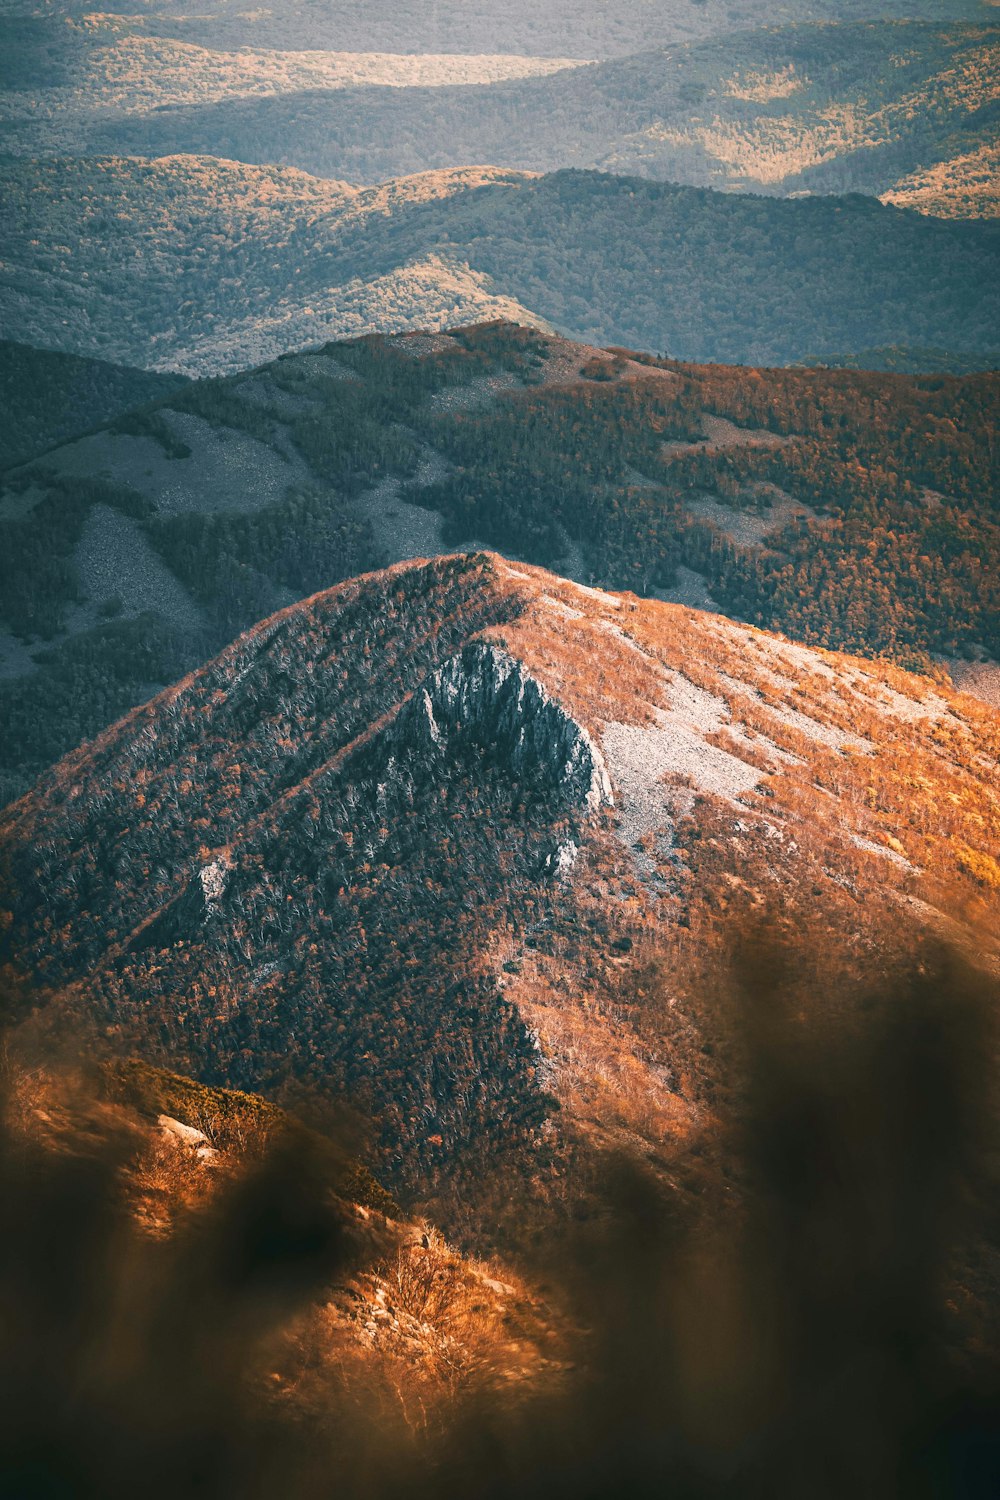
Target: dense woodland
46, 397
892, 546
208, 266
711, 276
900, 556
343, 887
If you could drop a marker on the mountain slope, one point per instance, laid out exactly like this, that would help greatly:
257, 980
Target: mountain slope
832, 108
46, 397
963, 183
396, 841
214, 265
843, 508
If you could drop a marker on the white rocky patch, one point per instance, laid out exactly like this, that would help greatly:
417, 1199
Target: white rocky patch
478, 394
114, 560
892, 855
645, 759
187, 1136
214, 879
560, 608
799, 719
401, 530
600, 596
898, 705
562, 859
980, 679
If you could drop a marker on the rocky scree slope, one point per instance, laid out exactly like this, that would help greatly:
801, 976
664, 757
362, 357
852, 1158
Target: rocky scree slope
414, 839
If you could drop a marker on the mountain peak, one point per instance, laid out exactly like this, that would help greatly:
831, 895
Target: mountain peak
381, 842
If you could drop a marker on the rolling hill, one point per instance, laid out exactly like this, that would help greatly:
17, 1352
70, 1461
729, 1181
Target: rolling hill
46, 397
465, 843
203, 266
840, 507
45, 42
788, 110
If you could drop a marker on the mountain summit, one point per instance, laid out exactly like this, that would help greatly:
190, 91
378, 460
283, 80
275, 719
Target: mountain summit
414, 839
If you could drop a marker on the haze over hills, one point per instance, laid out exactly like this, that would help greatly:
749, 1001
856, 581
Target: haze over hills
839, 507
827, 108
578, 28
200, 265
499, 831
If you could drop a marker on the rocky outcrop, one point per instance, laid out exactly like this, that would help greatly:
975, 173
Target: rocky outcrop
485, 695
183, 918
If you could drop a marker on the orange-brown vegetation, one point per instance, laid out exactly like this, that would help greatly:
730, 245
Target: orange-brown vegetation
809, 1297
302, 892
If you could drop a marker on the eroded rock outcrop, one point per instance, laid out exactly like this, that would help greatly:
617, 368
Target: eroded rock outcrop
484, 693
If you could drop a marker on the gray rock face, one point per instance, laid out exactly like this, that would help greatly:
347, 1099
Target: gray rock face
481, 696
486, 694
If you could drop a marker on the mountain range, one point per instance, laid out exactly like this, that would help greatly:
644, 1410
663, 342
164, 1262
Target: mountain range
202, 266
45, 40
839, 507
906, 110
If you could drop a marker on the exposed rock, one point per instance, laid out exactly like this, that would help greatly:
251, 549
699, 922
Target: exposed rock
184, 917
214, 879
484, 693
562, 859
187, 1136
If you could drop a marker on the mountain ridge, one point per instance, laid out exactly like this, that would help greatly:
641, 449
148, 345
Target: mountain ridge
803, 108
608, 259
835, 506
331, 884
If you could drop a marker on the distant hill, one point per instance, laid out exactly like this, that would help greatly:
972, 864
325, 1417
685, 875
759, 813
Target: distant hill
963, 184
849, 510
902, 360
47, 397
878, 107
574, 28
201, 265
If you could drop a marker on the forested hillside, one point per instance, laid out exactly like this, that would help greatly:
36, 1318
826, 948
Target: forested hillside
830, 108
206, 266
464, 842
47, 397
850, 510
46, 43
